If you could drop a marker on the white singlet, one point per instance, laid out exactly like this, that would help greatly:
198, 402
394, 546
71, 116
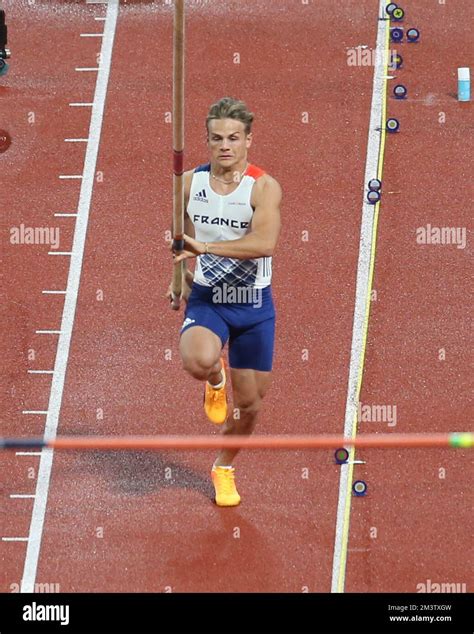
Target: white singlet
218, 217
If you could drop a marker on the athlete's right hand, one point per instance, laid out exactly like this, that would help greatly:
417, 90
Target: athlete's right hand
175, 302
185, 291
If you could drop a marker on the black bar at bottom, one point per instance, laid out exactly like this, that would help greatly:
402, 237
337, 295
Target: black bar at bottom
236, 613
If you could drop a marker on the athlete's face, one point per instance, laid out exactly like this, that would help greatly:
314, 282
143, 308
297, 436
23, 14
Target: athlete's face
228, 142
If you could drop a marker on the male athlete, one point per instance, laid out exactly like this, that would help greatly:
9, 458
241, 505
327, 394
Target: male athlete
232, 224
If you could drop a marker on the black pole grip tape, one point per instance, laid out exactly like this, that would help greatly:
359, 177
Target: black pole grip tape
178, 245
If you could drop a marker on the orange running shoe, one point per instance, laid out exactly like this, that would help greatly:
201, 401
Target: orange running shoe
223, 479
215, 401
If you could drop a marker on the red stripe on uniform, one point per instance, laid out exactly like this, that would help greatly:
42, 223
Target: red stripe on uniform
254, 171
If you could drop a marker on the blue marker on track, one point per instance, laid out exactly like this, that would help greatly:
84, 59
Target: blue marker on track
359, 488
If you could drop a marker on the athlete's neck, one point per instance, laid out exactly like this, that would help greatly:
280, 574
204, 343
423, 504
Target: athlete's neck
230, 173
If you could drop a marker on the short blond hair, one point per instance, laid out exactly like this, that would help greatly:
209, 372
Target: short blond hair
230, 108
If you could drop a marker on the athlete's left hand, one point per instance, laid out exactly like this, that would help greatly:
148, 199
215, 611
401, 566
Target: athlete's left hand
192, 248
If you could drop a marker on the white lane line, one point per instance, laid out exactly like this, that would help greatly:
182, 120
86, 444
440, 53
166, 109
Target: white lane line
65, 215
62, 354
76, 140
35, 411
79, 104
21, 496
99, 19
88, 70
70, 176
40, 371
54, 292
14, 539
92, 35
27, 453
59, 252
48, 332
361, 298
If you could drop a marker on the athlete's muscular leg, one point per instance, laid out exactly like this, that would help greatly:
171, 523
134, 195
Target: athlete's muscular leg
200, 350
248, 387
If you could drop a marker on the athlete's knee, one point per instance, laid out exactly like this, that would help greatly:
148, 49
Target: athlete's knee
200, 366
244, 419
247, 407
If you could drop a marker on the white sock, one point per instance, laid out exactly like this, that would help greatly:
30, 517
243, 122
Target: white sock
224, 466
219, 385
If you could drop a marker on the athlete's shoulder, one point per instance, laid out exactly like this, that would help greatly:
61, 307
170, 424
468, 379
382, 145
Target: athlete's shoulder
188, 174
188, 179
266, 191
204, 167
267, 184
262, 177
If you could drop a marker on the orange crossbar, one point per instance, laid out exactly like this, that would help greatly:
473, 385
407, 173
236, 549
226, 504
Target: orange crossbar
380, 441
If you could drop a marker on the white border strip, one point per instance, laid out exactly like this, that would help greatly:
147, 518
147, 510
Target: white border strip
62, 354
362, 290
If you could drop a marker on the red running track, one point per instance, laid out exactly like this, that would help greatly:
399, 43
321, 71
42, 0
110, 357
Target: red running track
145, 521
418, 353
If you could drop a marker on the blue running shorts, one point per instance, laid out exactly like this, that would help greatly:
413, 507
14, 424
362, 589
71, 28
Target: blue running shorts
242, 316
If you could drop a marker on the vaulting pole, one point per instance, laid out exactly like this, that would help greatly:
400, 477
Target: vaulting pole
178, 147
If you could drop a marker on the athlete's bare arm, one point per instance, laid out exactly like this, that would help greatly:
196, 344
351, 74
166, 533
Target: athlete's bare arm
264, 232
